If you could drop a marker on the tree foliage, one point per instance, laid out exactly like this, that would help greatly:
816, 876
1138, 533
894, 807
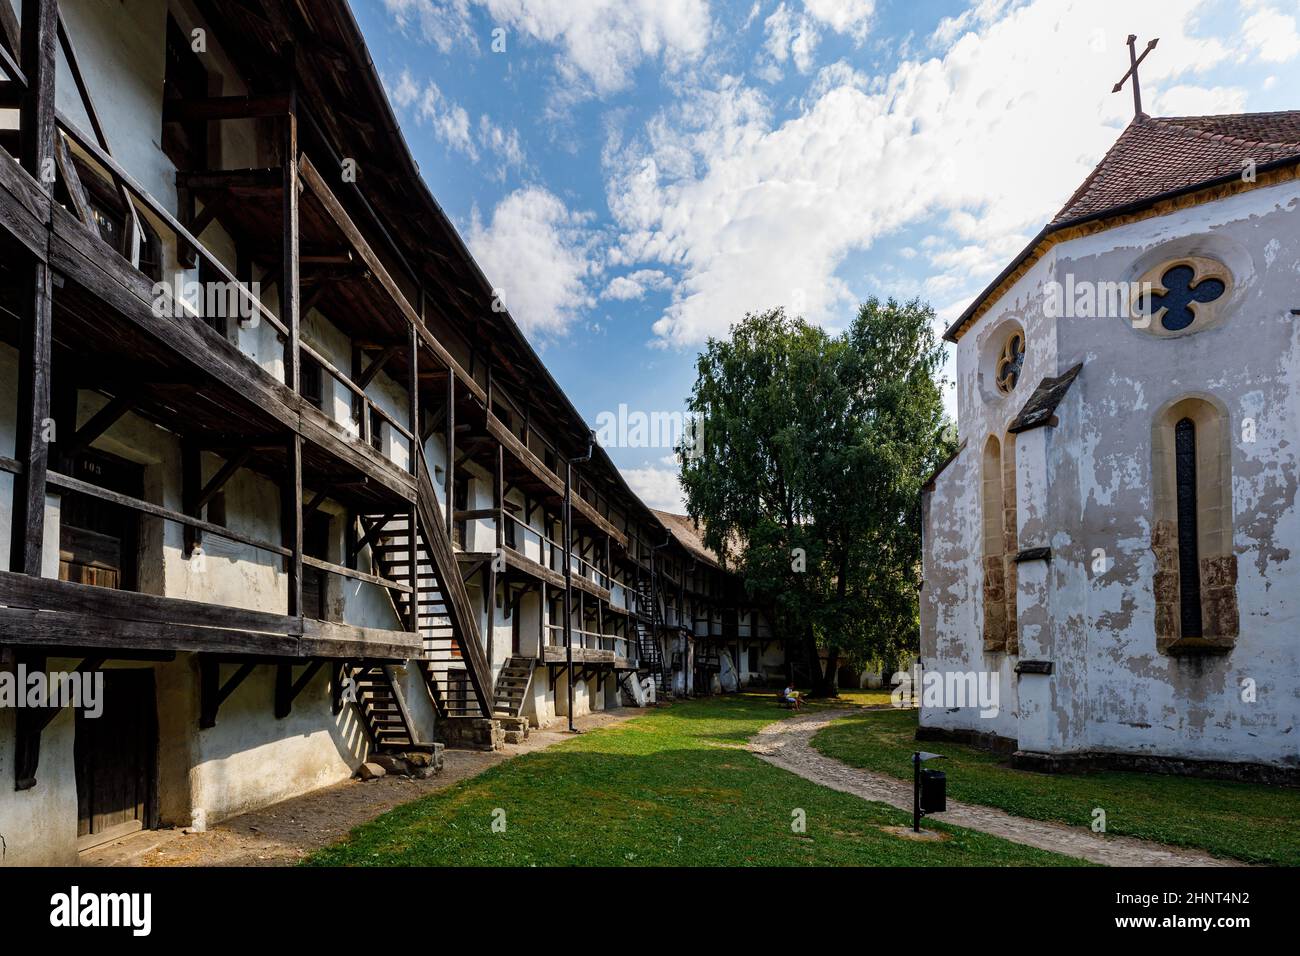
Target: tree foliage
815, 448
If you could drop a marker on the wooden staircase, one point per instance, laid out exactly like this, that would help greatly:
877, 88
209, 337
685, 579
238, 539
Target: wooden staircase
383, 712
650, 660
454, 666
512, 686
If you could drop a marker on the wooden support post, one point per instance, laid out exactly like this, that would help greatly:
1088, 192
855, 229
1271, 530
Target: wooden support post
287, 689
289, 288
37, 153
291, 506
413, 399
213, 693
191, 485
451, 448
413, 569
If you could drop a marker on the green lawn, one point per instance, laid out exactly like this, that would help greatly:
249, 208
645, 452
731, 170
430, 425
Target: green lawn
1252, 822
672, 787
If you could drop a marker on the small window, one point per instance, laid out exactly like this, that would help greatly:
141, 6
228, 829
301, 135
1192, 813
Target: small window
1195, 583
376, 429
1010, 362
310, 381
1181, 296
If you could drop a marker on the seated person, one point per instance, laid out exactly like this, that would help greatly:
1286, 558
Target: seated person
791, 696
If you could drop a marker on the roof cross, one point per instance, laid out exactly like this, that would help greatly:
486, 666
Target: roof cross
1134, 62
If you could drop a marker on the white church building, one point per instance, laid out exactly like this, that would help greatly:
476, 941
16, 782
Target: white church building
1117, 538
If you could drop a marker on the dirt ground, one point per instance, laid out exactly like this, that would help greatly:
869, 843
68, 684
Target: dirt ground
286, 832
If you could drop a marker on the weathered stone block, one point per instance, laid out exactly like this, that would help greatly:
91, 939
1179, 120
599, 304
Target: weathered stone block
370, 770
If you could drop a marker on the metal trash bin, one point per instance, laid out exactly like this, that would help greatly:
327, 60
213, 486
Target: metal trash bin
934, 791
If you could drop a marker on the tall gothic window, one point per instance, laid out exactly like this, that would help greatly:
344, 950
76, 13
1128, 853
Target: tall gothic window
998, 491
1195, 581
1189, 562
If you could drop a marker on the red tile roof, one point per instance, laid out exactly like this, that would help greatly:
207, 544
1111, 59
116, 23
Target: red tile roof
688, 536
1153, 158
1157, 155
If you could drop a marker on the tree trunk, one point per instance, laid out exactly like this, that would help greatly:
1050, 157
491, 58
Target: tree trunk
832, 678
823, 680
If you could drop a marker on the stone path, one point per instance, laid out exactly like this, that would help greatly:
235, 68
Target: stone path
788, 744
286, 832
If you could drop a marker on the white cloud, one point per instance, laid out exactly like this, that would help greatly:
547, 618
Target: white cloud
404, 92
452, 125
502, 143
657, 487
450, 121
1272, 35
791, 36
636, 285
843, 16
443, 23
538, 255
988, 139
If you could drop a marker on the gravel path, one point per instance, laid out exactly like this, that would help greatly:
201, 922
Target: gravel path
788, 744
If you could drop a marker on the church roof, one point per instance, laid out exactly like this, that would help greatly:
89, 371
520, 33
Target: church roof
1157, 155
1158, 158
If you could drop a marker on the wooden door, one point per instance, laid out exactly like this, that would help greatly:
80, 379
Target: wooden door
116, 759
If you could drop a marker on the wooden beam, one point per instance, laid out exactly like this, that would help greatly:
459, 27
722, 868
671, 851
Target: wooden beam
289, 284
449, 462
287, 688
47, 594
78, 255
72, 182
225, 107
10, 33
100, 422
291, 513
377, 364
372, 532
222, 476
31, 722
212, 693
313, 180
27, 535
149, 508
132, 234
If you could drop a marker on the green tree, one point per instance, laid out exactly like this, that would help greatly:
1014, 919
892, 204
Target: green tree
814, 451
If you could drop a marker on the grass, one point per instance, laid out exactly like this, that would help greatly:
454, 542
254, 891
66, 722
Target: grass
1251, 822
673, 787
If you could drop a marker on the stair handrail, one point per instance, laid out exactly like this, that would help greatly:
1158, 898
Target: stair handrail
455, 598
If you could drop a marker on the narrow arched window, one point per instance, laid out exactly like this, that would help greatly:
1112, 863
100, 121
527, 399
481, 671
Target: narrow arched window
1189, 561
1195, 583
994, 548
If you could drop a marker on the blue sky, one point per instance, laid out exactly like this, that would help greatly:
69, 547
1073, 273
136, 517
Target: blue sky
634, 175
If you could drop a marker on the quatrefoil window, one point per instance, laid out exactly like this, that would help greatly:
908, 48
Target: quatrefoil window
1012, 359
1183, 292
1182, 296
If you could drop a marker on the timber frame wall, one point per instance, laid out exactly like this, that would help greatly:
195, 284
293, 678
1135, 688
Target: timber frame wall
376, 255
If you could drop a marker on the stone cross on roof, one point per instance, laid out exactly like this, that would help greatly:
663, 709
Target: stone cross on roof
1134, 62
